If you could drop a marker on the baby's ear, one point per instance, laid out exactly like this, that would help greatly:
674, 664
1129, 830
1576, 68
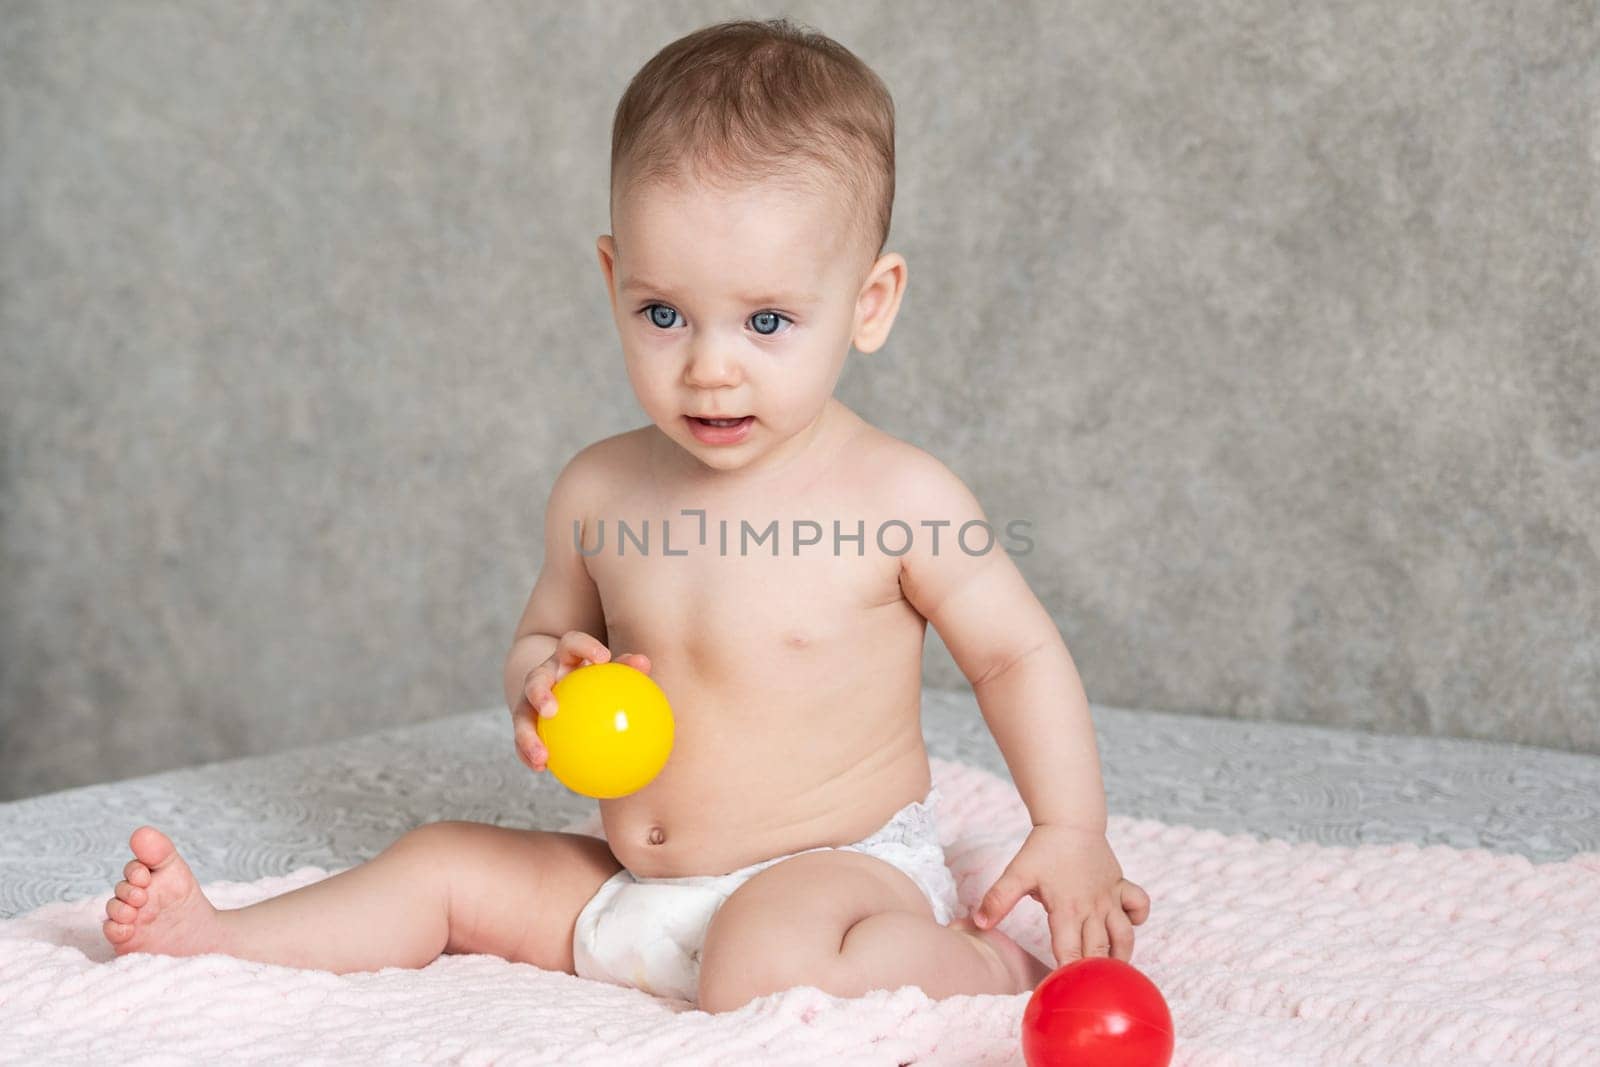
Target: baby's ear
606, 249
879, 302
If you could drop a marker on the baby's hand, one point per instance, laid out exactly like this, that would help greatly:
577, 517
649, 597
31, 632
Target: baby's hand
1072, 871
575, 649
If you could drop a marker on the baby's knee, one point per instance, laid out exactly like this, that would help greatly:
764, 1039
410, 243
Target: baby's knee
728, 988
737, 971
716, 1001
444, 837
723, 989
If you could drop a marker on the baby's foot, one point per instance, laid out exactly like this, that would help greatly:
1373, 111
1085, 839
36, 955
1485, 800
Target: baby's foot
159, 908
1021, 967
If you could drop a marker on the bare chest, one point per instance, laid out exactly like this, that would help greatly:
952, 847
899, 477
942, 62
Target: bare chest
725, 599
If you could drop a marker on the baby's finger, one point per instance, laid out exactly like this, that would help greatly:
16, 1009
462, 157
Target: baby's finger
536, 690
577, 648
523, 729
1135, 901
637, 660
1096, 942
1066, 936
1121, 932
531, 750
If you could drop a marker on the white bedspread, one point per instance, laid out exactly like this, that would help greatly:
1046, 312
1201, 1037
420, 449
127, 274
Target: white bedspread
1268, 952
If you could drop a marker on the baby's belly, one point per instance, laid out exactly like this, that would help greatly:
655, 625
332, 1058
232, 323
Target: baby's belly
743, 788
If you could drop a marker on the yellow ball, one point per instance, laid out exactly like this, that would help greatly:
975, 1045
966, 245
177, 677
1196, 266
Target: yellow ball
611, 733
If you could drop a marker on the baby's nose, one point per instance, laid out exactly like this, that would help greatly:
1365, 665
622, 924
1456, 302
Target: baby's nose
710, 366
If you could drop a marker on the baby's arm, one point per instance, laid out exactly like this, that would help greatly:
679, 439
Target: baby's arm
1006, 645
563, 625
564, 597
1030, 695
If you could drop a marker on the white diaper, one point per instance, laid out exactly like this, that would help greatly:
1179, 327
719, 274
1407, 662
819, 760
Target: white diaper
647, 932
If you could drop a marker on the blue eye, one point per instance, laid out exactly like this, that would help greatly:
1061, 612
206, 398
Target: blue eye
761, 318
655, 318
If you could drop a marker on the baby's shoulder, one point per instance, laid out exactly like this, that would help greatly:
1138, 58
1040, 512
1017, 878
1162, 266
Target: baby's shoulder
598, 469
892, 455
903, 474
610, 455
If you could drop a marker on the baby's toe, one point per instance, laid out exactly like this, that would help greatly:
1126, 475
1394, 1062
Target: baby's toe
131, 893
151, 846
121, 911
116, 932
137, 873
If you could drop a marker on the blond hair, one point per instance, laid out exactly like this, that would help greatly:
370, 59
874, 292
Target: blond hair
748, 100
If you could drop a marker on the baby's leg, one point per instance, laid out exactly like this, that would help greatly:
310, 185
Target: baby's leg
848, 923
455, 887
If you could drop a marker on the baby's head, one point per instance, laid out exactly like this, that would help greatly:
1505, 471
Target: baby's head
752, 181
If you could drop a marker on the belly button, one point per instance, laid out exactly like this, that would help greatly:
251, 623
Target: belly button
657, 835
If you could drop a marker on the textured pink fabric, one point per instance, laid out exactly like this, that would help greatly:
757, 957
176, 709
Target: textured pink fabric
1268, 952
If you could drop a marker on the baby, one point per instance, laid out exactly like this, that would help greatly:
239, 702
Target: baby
772, 560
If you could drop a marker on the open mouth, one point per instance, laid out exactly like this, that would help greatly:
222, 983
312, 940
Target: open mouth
720, 431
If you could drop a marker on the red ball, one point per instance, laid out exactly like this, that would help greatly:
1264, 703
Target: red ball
1097, 1011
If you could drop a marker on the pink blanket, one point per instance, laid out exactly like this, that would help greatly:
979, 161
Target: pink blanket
1268, 952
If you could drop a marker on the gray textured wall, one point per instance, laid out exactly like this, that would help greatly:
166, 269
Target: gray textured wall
1279, 321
